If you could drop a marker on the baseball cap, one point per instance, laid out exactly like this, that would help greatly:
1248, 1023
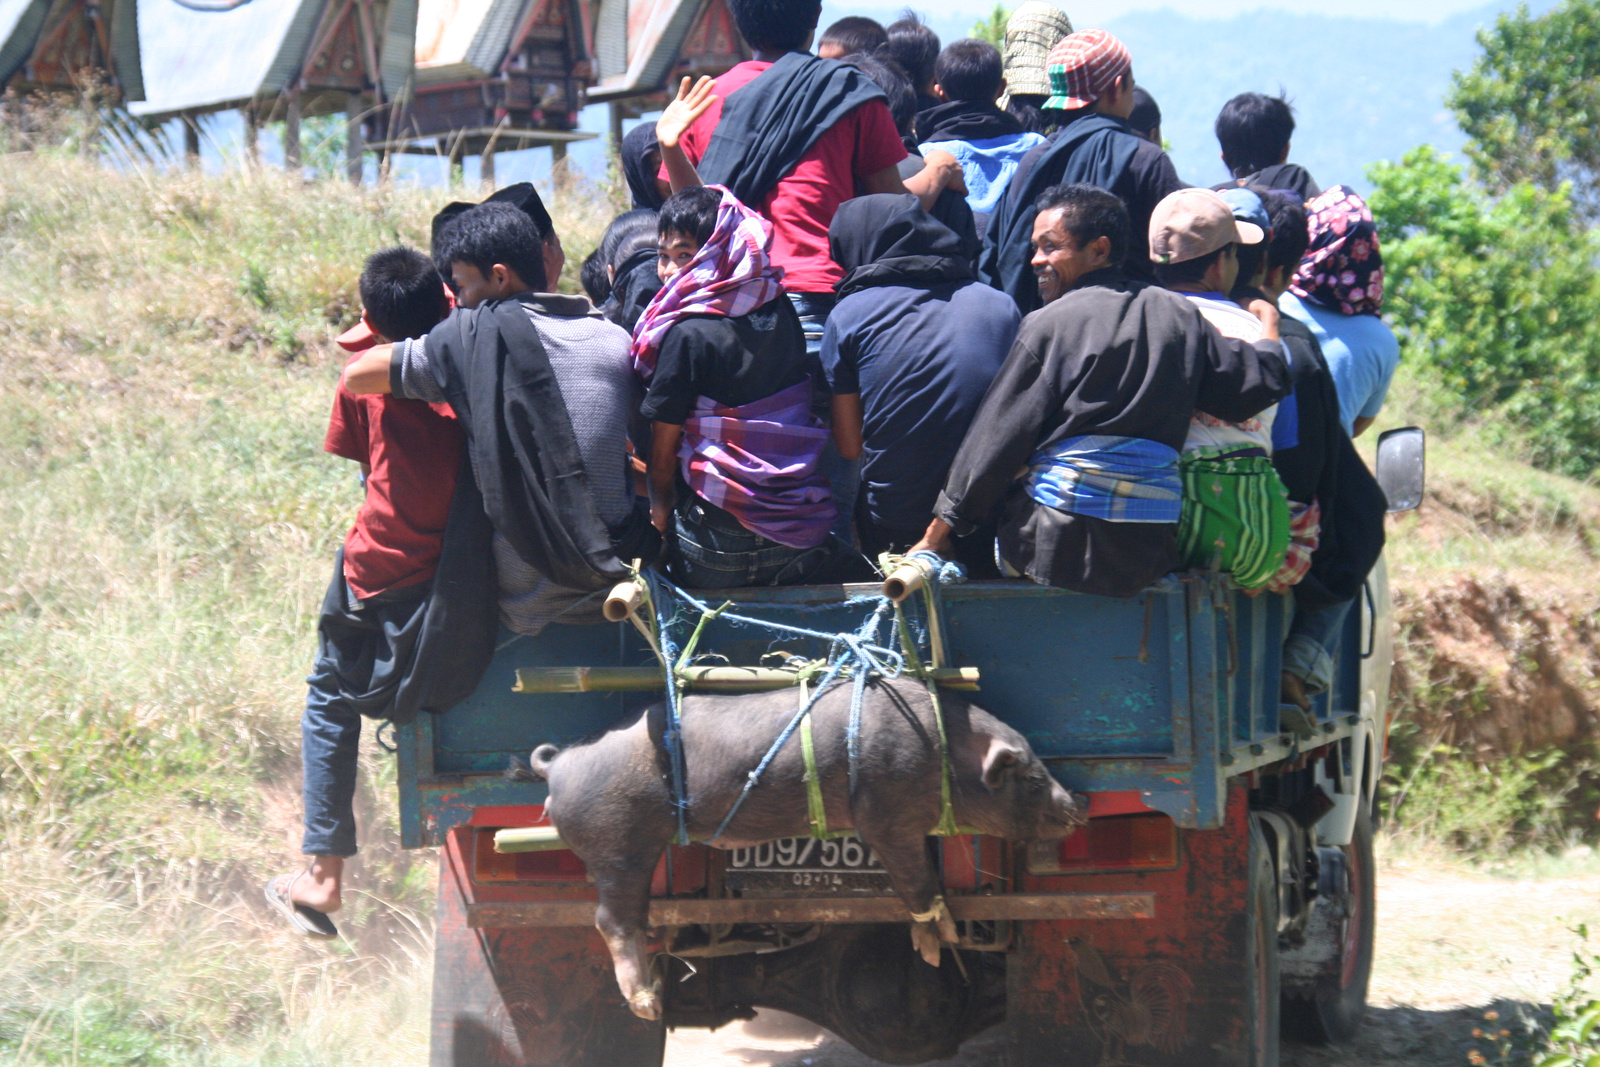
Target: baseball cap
1191, 223
1083, 67
1247, 207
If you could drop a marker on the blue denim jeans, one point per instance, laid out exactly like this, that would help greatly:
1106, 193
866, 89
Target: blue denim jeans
330, 728
713, 551
844, 475
1308, 653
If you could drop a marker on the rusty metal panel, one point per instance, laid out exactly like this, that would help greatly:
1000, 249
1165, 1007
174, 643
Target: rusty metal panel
524, 998
1169, 992
880, 909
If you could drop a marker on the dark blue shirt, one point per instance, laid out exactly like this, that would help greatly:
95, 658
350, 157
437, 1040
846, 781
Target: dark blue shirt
922, 360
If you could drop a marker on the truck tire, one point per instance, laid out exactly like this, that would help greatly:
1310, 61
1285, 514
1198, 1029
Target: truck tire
1333, 1011
1264, 989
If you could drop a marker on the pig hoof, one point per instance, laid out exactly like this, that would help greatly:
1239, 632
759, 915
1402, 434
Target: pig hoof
646, 1003
925, 942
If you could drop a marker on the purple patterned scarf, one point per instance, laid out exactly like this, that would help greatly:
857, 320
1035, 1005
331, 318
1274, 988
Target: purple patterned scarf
758, 462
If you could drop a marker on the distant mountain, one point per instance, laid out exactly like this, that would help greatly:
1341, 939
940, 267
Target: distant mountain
1364, 89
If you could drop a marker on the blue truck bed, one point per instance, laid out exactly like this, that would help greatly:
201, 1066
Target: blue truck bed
1168, 694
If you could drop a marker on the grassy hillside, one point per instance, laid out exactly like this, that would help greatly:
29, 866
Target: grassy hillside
167, 524
167, 521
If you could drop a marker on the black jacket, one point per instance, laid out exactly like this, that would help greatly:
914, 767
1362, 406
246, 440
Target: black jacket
768, 124
1114, 357
496, 376
1097, 150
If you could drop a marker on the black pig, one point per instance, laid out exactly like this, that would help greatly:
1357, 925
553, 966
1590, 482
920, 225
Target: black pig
611, 800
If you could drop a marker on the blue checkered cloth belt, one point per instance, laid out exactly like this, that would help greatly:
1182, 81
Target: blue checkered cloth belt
1120, 479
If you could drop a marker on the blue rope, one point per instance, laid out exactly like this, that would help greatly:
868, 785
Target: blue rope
869, 629
673, 735
859, 650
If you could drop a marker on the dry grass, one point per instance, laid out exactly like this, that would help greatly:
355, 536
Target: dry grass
167, 521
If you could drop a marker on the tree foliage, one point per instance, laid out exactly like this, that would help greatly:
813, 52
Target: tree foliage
1530, 104
1495, 297
993, 28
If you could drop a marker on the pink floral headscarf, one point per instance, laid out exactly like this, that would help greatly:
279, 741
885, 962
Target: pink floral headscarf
1343, 269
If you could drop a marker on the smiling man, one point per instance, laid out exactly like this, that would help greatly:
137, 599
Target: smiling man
1093, 405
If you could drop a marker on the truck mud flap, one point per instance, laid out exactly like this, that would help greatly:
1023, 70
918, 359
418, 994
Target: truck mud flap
526, 997
1173, 991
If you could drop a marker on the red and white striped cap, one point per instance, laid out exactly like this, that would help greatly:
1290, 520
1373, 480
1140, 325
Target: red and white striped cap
1083, 67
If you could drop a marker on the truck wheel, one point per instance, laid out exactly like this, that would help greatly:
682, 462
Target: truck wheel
1333, 1011
1261, 941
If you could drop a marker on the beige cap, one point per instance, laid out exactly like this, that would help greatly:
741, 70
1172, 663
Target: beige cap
1192, 223
1033, 29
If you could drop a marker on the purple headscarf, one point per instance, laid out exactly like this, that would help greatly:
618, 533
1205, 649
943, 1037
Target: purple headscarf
1342, 270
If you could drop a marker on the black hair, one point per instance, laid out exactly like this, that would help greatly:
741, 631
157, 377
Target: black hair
1029, 109
914, 46
896, 85
969, 70
1189, 271
401, 293
1146, 117
1290, 237
592, 276
691, 211
1254, 129
495, 233
1089, 213
854, 33
628, 234
776, 24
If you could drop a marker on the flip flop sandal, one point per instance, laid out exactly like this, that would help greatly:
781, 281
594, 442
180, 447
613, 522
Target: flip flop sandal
308, 921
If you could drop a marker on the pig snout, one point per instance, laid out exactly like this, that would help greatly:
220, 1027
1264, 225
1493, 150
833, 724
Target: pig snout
1021, 798
541, 758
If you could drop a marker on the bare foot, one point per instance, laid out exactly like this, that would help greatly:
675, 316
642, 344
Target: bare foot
318, 886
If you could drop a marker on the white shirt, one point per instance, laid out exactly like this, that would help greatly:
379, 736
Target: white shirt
1205, 431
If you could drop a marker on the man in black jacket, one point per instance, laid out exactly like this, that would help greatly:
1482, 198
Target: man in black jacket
1092, 75
1093, 403
1254, 130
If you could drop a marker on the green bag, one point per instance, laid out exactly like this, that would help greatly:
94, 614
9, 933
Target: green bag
1235, 515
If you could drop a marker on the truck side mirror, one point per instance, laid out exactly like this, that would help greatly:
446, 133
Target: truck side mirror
1402, 467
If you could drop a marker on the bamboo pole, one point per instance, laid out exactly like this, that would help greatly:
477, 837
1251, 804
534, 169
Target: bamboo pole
528, 839
705, 679
625, 599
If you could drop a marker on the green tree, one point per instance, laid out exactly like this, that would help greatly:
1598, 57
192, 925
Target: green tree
993, 28
1495, 296
1530, 104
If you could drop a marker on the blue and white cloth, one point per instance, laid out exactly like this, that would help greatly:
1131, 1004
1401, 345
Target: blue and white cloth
1119, 479
987, 165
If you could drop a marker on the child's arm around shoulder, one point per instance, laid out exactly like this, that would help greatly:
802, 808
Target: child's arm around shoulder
368, 373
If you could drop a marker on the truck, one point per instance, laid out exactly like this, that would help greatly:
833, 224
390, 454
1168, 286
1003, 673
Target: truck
1221, 892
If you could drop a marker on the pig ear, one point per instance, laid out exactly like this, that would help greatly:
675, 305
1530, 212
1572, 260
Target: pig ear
998, 761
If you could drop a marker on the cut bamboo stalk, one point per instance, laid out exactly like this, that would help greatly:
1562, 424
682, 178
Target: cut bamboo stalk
906, 579
528, 839
704, 679
625, 599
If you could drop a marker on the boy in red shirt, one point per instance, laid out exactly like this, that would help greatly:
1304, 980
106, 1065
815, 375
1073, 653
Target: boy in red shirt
374, 611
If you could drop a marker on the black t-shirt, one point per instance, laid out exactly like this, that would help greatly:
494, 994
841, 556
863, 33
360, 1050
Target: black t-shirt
733, 361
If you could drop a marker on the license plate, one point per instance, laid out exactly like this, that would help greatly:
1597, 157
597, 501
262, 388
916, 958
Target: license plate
802, 866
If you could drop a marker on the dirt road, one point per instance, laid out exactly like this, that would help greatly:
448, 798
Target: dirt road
1451, 945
